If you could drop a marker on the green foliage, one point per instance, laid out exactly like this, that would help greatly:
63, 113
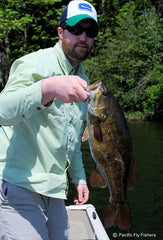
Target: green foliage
30, 23
129, 61
153, 93
26, 26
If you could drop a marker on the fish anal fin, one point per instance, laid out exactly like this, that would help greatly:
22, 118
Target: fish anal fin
85, 135
133, 175
97, 180
117, 214
98, 133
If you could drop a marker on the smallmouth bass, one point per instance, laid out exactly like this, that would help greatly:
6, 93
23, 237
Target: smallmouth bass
111, 148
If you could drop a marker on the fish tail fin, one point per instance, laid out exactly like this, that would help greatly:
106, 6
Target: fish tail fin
117, 214
123, 218
109, 216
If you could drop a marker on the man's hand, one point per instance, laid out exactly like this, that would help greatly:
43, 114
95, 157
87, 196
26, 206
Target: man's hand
66, 88
83, 194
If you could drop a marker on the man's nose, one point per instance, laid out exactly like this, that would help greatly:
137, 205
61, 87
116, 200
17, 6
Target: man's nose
83, 36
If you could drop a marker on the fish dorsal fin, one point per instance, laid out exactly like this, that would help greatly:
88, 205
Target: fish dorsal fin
98, 133
133, 174
97, 180
85, 135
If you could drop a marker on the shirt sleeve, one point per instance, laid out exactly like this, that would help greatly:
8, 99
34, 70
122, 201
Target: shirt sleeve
22, 95
76, 168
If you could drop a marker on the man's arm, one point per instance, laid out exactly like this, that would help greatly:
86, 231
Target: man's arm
66, 88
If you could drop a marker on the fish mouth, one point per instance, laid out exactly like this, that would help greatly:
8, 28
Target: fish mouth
94, 86
92, 89
96, 107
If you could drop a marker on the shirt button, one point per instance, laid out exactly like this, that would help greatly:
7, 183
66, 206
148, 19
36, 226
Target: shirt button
38, 108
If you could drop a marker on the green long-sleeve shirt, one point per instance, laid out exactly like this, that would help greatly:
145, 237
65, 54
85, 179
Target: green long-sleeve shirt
39, 143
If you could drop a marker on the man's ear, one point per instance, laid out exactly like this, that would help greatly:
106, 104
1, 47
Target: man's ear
60, 33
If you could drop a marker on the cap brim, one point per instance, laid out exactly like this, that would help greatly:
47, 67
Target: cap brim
75, 19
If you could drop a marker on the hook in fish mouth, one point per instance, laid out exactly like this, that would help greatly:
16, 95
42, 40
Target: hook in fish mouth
91, 89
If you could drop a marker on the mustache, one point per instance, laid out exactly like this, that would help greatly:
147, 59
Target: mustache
82, 43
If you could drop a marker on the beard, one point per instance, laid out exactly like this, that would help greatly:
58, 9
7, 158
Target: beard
77, 52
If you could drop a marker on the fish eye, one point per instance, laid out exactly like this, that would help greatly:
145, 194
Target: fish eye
105, 90
104, 93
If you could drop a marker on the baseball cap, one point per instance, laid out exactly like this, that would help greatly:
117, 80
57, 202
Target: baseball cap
78, 10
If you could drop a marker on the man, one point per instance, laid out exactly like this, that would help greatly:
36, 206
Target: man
41, 115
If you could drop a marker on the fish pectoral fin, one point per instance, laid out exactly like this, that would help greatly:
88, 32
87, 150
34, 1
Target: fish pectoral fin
98, 133
85, 135
97, 180
133, 174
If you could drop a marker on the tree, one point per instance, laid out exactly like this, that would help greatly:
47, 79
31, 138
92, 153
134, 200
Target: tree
26, 26
128, 57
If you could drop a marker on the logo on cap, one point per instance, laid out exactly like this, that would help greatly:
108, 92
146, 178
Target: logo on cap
84, 6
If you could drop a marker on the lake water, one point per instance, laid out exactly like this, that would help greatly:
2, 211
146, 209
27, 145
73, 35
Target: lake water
146, 200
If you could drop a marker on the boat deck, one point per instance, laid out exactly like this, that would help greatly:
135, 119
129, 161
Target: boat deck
85, 223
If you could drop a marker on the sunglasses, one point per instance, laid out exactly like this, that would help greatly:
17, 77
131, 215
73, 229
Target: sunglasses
78, 30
